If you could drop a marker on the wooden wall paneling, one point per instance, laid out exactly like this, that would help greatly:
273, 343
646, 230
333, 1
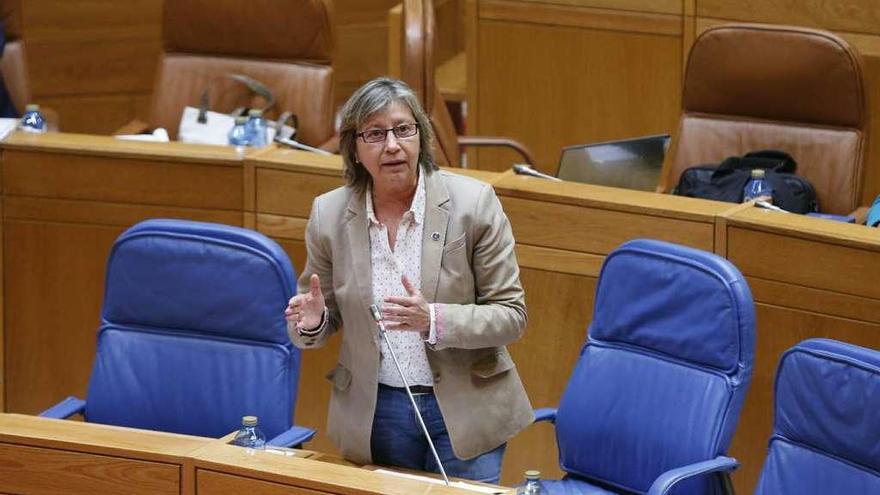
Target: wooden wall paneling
560, 307
858, 16
362, 43
582, 74
778, 329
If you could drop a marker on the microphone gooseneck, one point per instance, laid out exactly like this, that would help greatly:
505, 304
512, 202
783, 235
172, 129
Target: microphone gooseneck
377, 317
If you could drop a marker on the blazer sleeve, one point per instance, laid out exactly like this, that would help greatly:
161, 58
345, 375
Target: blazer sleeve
498, 316
319, 260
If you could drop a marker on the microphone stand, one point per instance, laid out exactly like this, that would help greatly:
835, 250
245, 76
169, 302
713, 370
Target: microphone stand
377, 316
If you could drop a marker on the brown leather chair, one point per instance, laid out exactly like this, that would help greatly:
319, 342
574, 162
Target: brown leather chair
751, 87
285, 44
417, 70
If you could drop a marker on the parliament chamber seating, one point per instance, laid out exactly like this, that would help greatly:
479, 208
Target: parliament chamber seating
192, 334
13, 67
826, 438
656, 393
418, 69
751, 87
286, 45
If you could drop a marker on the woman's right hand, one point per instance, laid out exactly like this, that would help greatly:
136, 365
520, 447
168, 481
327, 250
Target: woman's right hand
305, 310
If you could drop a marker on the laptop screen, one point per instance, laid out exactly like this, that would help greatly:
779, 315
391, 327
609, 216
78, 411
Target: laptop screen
629, 164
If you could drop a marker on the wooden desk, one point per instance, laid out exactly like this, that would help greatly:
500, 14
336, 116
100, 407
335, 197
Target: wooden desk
809, 278
66, 198
39, 455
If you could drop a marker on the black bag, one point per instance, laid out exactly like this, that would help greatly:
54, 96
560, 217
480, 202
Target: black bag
726, 181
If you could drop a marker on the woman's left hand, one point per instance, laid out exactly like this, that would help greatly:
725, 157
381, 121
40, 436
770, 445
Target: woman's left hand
407, 313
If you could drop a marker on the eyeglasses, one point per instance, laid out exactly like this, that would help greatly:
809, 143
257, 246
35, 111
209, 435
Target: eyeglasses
380, 135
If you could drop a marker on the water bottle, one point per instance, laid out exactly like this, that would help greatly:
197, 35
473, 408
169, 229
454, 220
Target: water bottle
249, 436
257, 128
757, 187
238, 135
32, 120
533, 485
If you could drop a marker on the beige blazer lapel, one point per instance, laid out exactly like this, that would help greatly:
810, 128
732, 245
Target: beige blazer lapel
359, 248
434, 235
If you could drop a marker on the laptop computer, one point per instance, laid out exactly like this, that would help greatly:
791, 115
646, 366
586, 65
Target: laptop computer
629, 164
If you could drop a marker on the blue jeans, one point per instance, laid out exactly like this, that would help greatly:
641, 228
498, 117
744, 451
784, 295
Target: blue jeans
397, 439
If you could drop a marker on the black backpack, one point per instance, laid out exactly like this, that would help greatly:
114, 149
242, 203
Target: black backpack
726, 181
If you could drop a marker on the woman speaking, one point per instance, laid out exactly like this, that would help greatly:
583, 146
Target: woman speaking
435, 252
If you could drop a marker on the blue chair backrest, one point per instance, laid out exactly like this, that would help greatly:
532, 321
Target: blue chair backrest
826, 429
193, 334
663, 375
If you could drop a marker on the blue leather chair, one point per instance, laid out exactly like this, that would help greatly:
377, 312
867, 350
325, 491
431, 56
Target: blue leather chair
826, 430
654, 398
193, 335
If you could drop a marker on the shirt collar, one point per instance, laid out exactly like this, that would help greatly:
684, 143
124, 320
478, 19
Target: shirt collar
416, 209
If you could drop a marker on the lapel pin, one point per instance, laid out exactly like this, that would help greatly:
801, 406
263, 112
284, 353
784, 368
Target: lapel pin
435, 236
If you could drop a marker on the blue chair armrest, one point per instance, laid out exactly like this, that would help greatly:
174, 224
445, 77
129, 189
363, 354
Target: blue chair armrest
65, 409
667, 480
545, 414
296, 435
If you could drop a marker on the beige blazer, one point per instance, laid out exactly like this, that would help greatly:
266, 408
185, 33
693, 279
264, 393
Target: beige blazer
469, 265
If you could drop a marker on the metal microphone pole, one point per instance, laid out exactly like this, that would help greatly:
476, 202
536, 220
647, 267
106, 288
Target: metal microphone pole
377, 316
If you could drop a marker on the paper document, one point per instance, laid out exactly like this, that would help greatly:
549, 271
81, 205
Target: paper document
456, 484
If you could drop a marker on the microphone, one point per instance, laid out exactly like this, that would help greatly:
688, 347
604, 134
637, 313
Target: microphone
297, 145
377, 317
523, 169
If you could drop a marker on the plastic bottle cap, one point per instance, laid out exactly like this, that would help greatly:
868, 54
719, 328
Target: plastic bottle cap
255, 112
249, 421
757, 173
533, 475
32, 107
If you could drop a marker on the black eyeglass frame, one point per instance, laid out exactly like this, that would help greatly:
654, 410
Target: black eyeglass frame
386, 131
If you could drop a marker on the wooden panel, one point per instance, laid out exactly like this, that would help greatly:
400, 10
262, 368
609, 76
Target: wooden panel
56, 471
779, 329
213, 483
557, 260
589, 18
88, 67
861, 16
274, 191
655, 6
93, 212
560, 307
843, 269
538, 224
53, 314
92, 19
92, 114
615, 75
122, 180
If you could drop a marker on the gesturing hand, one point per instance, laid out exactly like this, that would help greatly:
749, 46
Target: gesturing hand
407, 313
305, 310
